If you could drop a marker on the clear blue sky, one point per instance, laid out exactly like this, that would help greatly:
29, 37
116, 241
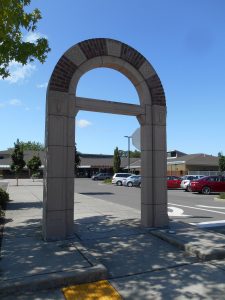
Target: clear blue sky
183, 40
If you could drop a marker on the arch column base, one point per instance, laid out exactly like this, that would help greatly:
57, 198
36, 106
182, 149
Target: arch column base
154, 215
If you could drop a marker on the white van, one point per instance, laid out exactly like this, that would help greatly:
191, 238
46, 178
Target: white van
118, 177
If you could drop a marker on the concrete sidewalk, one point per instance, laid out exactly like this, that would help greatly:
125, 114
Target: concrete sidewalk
181, 262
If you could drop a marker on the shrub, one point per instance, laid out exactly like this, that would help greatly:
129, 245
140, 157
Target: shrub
108, 181
35, 175
2, 214
222, 196
4, 197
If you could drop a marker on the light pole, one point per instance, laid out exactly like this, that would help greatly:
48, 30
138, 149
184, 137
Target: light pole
128, 155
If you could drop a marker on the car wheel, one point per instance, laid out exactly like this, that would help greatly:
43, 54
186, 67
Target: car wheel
188, 189
119, 183
95, 179
206, 190
130, 184
139, 185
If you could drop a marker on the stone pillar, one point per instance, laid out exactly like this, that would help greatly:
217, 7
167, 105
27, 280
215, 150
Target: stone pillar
153, 167
58, 204
147, 217
159, 158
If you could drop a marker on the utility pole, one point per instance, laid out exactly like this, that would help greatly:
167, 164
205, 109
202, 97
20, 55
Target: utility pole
128, 155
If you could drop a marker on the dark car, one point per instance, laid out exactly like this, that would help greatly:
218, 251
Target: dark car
101, 176
173, 182
209, 184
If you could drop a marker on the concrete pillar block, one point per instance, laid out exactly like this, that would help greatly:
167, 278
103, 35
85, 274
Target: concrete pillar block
159, 115
160, 215
159, 163
60, 193
146, 190
56, 191
146, 138
113, 47
130, 72
54, 225
144, 93
69, 222
70, 193
76, 55
70, 132
90, 64
146, 164
147, 70
74, 81
159, 137
57, 130
147, 214
70, 159
159, 188
56, 162
113, 62
60, 162
57, 103
71, 106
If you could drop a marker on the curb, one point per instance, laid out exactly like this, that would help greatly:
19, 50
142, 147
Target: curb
53, 280
201, 251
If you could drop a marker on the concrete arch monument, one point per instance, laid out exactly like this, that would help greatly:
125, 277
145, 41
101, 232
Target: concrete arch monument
62, 106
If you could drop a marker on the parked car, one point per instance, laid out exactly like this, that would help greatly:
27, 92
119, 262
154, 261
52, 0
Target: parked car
133, 180
209, 184
118, 178
173, 182
186, 181
101, 176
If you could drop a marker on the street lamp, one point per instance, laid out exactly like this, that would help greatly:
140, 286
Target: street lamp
128, 156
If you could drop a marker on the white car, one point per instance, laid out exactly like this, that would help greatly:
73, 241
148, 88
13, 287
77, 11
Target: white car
118, 177
133, 180
186, 181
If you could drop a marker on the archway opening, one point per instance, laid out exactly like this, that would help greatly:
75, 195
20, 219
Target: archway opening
107, 84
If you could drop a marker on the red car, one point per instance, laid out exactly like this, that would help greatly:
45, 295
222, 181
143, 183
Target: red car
173, 182
209, 184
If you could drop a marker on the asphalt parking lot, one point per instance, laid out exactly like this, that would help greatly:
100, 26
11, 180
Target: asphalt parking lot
193, 208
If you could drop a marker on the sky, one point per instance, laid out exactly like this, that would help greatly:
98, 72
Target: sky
183, 40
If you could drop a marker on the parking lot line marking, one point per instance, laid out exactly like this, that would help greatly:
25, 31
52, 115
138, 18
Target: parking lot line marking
216, 207
198, 208
101, 290
176, 212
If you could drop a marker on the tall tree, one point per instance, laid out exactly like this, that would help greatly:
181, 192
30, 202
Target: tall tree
14, 21
34, 146
77, 160
18, 162
116, 160
33, 165
221, 162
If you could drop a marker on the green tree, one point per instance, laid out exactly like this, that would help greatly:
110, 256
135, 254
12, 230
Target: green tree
135, 154
14, 21
221, 162
18, 162
77, 160
34, 146
116, 160
33, 165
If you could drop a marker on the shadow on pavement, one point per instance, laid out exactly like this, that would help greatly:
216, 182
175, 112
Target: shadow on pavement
23, 205
97, 193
